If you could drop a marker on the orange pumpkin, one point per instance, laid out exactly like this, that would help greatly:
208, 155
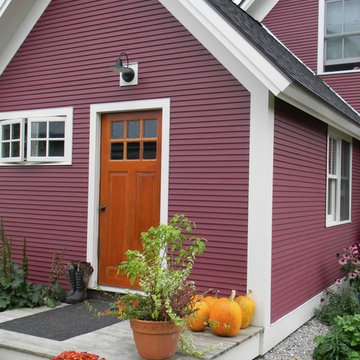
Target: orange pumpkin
210, 300
199, 318
225, 316
247, 306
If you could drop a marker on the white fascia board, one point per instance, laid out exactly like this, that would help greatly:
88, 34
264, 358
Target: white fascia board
247, 64
4, 6
258, 9
303, 100
22, 20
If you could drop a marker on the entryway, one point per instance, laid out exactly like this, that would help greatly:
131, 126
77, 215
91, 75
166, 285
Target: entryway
130, 183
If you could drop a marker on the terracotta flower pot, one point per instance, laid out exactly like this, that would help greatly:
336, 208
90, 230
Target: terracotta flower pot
155, 340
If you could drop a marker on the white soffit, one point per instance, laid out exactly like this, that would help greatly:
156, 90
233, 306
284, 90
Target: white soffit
246, 63
17, 18
258, 9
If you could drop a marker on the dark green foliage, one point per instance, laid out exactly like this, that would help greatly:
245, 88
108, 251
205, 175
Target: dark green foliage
342, 342
52, 294
338, 304
15, 291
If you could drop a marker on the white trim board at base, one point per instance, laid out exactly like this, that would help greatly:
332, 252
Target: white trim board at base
289, 323
94, 167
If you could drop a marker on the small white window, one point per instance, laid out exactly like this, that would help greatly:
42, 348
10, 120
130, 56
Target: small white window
38, 137
338, 178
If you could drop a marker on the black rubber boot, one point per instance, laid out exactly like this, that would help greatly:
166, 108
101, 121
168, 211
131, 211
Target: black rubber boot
79, 294
72, 284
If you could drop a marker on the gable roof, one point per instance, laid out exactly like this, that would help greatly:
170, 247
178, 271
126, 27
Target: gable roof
244, 46
281, 57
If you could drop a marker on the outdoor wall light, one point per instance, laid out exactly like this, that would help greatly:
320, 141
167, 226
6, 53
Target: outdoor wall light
127, 73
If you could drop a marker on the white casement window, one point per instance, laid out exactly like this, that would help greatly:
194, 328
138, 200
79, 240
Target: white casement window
338, 178
341, 35
36, 137
11, 138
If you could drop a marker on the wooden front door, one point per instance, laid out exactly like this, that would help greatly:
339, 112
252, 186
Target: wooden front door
129, 186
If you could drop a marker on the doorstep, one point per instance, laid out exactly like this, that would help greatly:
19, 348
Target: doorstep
115, 342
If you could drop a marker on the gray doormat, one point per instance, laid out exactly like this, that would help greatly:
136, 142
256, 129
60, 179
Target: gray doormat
62, 323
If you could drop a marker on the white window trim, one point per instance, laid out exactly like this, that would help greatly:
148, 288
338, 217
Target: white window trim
338, 136
43, 114
22, 136
321, 45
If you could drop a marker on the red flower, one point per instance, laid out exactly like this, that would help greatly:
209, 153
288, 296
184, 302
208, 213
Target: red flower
73, 355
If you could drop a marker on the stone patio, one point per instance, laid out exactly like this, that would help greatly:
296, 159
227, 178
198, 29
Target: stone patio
115, 342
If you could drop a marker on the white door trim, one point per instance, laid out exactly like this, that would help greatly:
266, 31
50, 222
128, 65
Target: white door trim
94, 170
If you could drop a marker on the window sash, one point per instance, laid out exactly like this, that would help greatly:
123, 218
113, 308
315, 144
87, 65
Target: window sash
12, 145
40, 141
342, 33
338, 205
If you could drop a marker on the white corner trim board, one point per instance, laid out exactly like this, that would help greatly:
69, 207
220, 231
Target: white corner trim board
260, 197
94, 169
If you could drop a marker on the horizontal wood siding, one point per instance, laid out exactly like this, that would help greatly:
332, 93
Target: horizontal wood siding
295, 23
64, 62
303, 249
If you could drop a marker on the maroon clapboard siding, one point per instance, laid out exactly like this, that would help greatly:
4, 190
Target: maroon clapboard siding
64, 62
303, 249
295, 23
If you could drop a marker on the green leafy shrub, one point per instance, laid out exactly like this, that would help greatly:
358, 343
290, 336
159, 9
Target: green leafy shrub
344, 302
342, 342
15, 290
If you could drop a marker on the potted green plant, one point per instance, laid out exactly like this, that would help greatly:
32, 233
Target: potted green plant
161, 269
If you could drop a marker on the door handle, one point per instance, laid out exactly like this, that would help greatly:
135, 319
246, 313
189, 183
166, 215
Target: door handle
102, 207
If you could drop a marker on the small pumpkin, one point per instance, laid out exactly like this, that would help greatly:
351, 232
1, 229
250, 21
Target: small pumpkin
225, 316
195, 298
247, 305
199, 318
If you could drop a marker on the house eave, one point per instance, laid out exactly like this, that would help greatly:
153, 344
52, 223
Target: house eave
297, 96
17, 18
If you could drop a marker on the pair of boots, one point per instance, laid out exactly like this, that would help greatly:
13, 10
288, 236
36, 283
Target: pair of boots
77, 291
